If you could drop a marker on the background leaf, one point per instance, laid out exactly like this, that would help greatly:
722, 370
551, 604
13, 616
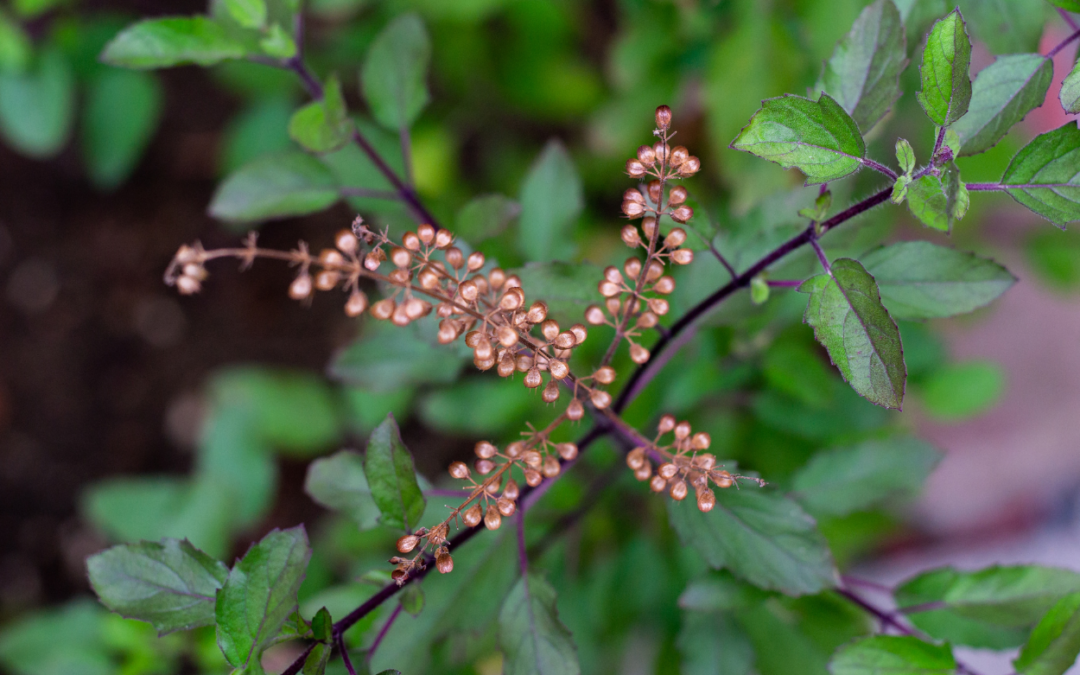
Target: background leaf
260, 594
946, 85
921, 280
275, 186
863, 74
863, 341
485, 217
816, 137
172, 585
392, 478
122, 111
59, 641
37, 106
532, 638
338, 483
247, 13
962, 391
322, 126
764, 539
161, 43
394, 75
388, 358
1070, 91
843, 480
895, 655
1045, 175
1003, 94
1055, 641
713, 644
551, 200
566, 288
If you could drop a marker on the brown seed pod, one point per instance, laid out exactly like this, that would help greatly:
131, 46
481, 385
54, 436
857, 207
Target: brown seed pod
654, 191
512, 299
663, 117
511, 490
512, 281
683, 256
532, 458
484, 364
551, 392
632, 267
300, 288
455, 257
581, 333
645, 472
400, 317
533, 379
416, 308
506, 506
679, 490
551, 467
429, 278
483, 349
633, 195
682, 214
677, 195
658, 306
537, 312
459, 470
400, 257
690, 166
346, 241
608, 289
444, 310
594, 315
515, 449
188, 285
484, 466
492, 519
662, 150
558, 369
679, 154
356, 304
383, 309
492, 488
664, 284
411, 241
605, 375
426, 233
635, 458
373, 259
327, 279
407, 543
443, 562
666, 424
506, 335
568, 451
533, 477
496, 277
506, 365
475, 261
467, 289
654, 271
523, 362
723, 479
575, 411
472, 516
329, 257
646, 155
657, 484
702, 441
438, 534
443, 238
565, 340
399, 575
682, 430
613, 305
638, 354
667, 471
633, 209
600, 399
648, 227
706, 500
675, 238
485, 450
634, 168
705, 461
448, 331
630, 236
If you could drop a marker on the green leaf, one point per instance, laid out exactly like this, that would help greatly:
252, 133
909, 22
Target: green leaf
260, 594
900, 189
863, 341
1055, 642
260, 128
478, 406
338, 483
1069, 5
551, 200
161, 43
962, 391
247, 13
278, 43
946, 86
1005, 26
233, 457
29, 9
863, 74
322, 126
62, 641
1070, 91
121, 113
412, 599
991, 608
171, 585
15, 47
894, 655
1045, 175
37, 106
322, 626
905, 155
920, 280
485, 217
394, 75
388, 358
315, 663
759, 290
713, 644
1054, 257
275, 186
392, 477
762, 538
816, 137
533, 640
938, 201
717, 592
566, 288
840, 481
1003, 94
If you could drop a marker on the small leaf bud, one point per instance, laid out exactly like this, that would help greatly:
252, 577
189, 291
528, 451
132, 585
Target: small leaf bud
630, 236
459, 470
473, 516
679, 490
533, 477
575, 410
407, 543
600, 399
663, 117
635, 458
551, 468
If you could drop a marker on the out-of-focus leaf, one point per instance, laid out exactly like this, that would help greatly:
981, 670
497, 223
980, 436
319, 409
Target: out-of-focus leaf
1045, 175
395, 72
59, 641
963, 391
412, 599
762, 538
1070, 91
1054, 257
716, 592
29, 9
863, 74
275, 186
840, 481
171, 584
338, 482
389, 358
1055, 641
15, 47
247, 13
920, 280
566, 288
817, 137
278, 43
551, 200
1003, 94
946, 85
315, 663
896, 655
713, 644
485, 217
161, 43
260, 594
121, 113
261, 128
797, 370
1069, 5
1005, 26
478, 406
863, 341
322, 126
392, 478
37, 105
992, 608
531, 636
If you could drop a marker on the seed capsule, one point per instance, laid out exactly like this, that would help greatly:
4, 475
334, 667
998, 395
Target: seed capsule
459, 470
551, 392
632, 267
346, 241
454, 257
533, 477
482, 350
515, 449
706, 500
326, 280
613, 305
645, 472
407, 543
682, 430
448, 331
438, 534
666, 424
658, 306
679, 490
657, 484
654, 271
507, 336
667, 471
675, 238
416, 308
633, 209
551, 467
690, 166
679, 154
411, 241
608, 289
635, 168
300, 288
537, 312
663, 117
647, 320
605, 375
568, 451
443, 238
372, 260
683, 256
630, 236
400, 257
580, 333
523, 362
188, 285
506, 506
575, 410
533, 379
484, 364
356, 304
565, 340
638, 354
635, 458
400, 317
473, 516
594, 315
485, 450
677, 195
664, 284
682, 214
648, 227
512, 299
601, 399
512, 281
383, 309
558, 369
443, 562
662, 150
705, 461
475, 261
484, 466
506, 365
723, 479
426, 233
532, 458
646, 155
702, 441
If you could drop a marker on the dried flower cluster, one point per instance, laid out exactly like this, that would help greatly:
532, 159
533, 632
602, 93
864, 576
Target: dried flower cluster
425, 272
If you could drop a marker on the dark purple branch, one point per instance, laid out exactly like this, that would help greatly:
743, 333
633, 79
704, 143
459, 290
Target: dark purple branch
822, 258
1068, 19
881, 168
340, 641
1063, 44
784, 283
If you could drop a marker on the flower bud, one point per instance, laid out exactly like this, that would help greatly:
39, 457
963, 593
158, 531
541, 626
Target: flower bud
630, 236
663, 117
472, 517
646, 155
533, 379
484, 466
551, 467
638, 354
594, 315
568, 451
634, 168
657, 484
506, 506
443, 562
600, 399
683, 256
635, 458
706, 500
300, 288
666, 424
346, 241
690, 166
407, 543
188, 285
679, 154
679, 490
533, 477
575, 410
426, 233
459, 470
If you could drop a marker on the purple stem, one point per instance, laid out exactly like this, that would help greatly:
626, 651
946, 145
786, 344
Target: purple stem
937, 145
345, 652
1068, 19
784, 283
821, 255
881, 168
1063, 44
378, 638
984, 187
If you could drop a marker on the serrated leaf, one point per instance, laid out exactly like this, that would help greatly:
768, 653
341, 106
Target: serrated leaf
1070, 91
338, 483
121, 113
840, 481
533, 640
713, 644
322, 126
938, 201
921, 280
863, 341
905, 155
247, 13
171, 584
817, 137
388, 358
1045, 175
895, 655
1003, 94
946, 86
863, 74
260, 594
395, 72
551, 200
991, 608
392, 477
37, 105
485, 216
275, 186
762, 538
1055, 642
162, 43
